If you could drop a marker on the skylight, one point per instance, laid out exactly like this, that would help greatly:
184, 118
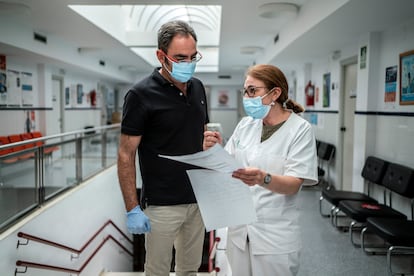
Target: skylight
136, 27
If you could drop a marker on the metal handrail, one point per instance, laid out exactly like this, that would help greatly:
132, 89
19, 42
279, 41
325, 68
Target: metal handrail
75, 133
65, 269
71, 249
67, 248
39, 156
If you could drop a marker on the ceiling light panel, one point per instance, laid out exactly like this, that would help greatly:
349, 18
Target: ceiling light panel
137, 27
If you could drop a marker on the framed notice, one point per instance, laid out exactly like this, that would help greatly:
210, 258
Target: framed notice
407, 78
223, 99
3, 87
390, 84
326, 89
27, 88
14, 92
363, 58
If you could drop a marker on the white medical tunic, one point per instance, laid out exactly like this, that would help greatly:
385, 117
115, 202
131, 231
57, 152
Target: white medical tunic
291, 150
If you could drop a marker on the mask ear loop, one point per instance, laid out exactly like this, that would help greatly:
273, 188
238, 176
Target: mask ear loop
284, 103
273, 102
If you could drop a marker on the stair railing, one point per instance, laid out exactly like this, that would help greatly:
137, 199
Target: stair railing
28, 238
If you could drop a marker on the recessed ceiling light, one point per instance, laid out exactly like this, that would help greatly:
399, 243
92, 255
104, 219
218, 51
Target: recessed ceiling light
129, 68
274, 10
250, 50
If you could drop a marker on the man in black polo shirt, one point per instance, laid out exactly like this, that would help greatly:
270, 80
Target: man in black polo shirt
165, 113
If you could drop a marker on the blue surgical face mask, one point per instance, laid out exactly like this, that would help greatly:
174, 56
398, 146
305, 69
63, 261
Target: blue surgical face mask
255, 108
182, 71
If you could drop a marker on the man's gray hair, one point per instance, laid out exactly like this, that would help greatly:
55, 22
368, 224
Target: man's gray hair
170, 29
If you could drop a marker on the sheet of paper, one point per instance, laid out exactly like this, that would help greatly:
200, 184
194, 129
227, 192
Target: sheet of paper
215, 158
223, 200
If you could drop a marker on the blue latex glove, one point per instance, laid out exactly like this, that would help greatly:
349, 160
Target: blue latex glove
137, 221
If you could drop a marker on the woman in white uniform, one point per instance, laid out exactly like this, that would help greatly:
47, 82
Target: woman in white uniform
278, 151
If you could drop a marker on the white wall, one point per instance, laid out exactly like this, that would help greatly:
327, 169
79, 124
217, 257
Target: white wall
225, 114
381, 129
13, 121
72, 220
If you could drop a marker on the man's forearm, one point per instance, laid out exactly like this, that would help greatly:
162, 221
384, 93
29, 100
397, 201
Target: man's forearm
127, 181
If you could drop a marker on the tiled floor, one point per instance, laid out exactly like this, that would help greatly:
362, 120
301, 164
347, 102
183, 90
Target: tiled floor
329, 252
326, 250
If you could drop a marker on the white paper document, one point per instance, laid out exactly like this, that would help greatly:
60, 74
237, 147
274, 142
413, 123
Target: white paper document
223, 200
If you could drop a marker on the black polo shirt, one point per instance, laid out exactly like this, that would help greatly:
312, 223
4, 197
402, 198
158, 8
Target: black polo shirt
170, 123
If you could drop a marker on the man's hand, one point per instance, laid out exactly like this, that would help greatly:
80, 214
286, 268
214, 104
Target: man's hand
211, 138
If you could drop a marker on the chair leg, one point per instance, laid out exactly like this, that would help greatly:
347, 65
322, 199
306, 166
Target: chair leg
372, 249
320, 208
389, 253
401, 250
363, 240
354, 226
334, 219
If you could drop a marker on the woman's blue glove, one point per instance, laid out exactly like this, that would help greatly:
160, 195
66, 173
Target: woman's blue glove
137, 221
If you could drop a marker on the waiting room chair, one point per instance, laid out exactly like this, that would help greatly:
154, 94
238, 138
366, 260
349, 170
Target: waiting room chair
372, 173
325, 153
4, 140
14, 138
397, 233
397, 179
47, 150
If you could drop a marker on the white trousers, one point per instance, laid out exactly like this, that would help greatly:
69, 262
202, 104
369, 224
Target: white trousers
244, 263
180, 226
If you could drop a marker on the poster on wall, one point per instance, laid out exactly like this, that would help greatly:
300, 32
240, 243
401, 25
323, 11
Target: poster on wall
14, 92
76, 95
363, 58
67, 97
407, 78
3, 79
79, 94
3, 87
223, 99
326, 90
27, 88
390, 84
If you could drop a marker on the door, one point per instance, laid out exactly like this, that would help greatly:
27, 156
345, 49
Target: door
347, 128
54, 120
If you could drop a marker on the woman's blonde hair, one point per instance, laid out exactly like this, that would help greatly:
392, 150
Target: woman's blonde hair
273, 77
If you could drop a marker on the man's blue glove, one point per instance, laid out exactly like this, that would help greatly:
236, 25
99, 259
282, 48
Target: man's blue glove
137, 221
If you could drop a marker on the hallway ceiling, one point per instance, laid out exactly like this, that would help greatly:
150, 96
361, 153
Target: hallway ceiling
241, 26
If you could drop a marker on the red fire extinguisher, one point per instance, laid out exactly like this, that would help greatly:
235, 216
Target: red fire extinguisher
310, 94
92, 96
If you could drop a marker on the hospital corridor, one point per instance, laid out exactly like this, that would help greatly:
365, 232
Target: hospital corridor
206, 137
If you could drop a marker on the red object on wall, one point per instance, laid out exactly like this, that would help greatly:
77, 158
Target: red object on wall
2, 62
310, 94
92, 96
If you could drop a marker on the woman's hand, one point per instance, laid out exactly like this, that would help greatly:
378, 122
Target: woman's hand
250, 176
211, 138
281, 184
